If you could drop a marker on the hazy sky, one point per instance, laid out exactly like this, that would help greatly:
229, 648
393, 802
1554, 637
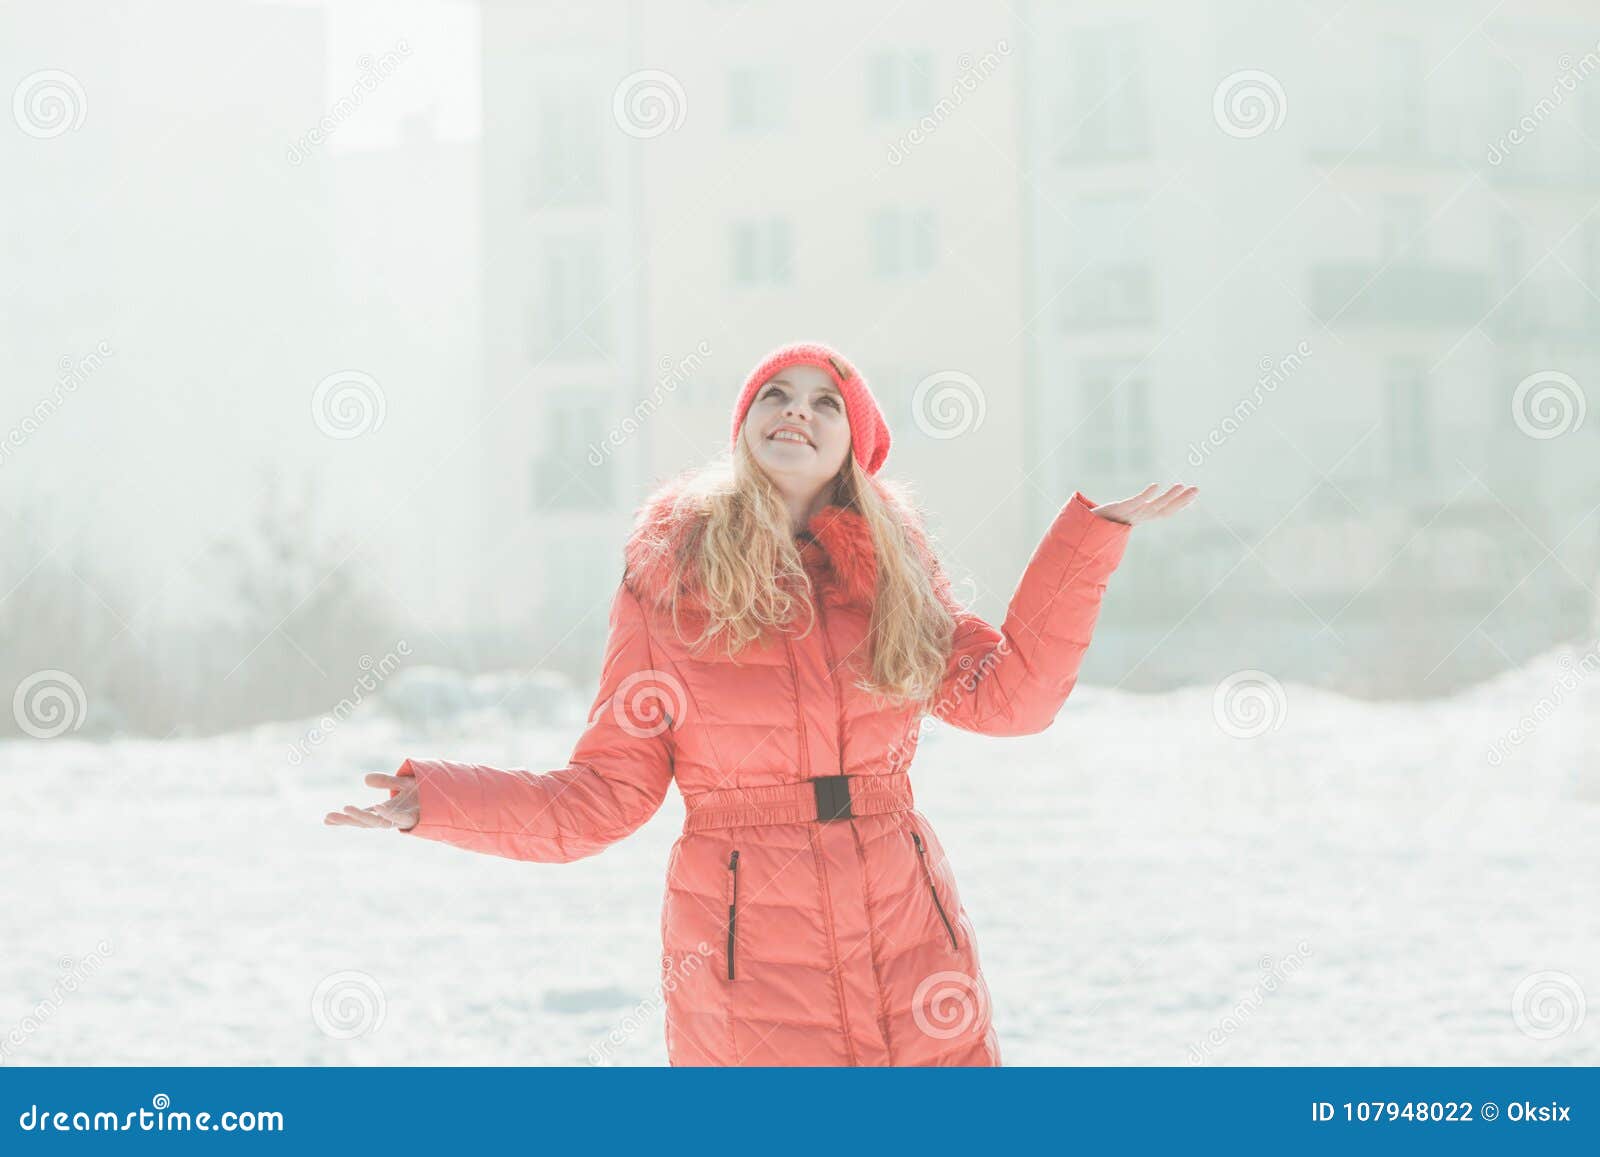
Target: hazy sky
447, 78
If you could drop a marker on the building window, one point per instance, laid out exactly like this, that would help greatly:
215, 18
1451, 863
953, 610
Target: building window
1103, 106
1403, 225
564, 476
1400, 77
757, 100
903, 241
763, 252
574, 585
899, 85
1589, 130
1591, 264
1409, 417
570, 314
1515, 296
1510, 251
566, 148
1107, 279
1114, 423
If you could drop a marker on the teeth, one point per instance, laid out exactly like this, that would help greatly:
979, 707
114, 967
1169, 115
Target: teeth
787, 436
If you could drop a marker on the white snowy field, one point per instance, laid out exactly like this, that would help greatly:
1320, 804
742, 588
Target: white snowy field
1360, 885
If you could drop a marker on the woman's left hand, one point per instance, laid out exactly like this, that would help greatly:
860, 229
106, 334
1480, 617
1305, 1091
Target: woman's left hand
1147, 505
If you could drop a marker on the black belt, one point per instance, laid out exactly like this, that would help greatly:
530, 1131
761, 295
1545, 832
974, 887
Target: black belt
833, 797
828, 798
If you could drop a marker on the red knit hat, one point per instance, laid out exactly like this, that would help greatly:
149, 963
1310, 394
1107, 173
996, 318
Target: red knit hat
869, 435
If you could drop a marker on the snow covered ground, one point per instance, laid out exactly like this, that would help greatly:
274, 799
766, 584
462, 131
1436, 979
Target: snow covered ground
1359, 885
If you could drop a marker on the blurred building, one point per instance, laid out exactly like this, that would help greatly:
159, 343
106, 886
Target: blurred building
1067, 257
1271, 254
669, 199
561, 321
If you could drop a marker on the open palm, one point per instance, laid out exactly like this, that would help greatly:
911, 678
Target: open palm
399, 811
1147, 505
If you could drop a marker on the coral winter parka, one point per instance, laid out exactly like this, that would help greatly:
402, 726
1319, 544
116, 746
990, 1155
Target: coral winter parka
807, 920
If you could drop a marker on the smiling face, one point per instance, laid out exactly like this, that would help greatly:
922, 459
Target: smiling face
797, 429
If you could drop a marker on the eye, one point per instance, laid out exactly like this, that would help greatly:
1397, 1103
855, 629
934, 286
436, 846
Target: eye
832, 401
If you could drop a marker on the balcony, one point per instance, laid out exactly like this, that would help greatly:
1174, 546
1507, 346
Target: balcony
1107, 295
1545, 310
1419, 295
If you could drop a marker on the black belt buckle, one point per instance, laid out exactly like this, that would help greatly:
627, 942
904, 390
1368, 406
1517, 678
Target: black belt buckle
833, 797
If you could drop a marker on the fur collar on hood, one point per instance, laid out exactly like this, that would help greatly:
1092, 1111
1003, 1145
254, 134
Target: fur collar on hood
836, 548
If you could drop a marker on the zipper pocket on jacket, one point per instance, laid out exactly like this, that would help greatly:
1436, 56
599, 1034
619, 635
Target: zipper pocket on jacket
927, 874
733, 906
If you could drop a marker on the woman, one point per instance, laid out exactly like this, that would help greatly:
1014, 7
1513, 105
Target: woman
780, 630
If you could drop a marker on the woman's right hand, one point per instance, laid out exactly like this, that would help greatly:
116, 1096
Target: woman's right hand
399, 812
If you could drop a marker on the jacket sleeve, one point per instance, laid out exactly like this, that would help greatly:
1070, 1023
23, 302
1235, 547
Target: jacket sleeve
615, 781
1013, 681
